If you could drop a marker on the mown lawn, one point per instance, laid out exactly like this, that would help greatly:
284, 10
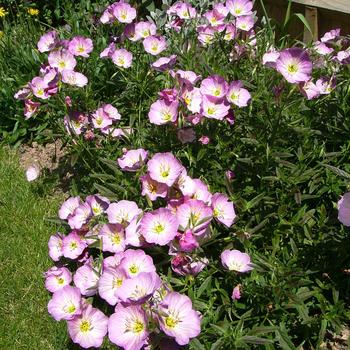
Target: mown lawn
24, 321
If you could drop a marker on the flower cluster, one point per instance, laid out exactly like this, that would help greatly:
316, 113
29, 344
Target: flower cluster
297, 64
59, 69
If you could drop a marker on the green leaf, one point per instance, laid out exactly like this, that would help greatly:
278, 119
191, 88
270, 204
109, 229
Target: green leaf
205, 285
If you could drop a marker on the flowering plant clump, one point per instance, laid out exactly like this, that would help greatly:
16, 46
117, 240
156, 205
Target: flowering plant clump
213, 143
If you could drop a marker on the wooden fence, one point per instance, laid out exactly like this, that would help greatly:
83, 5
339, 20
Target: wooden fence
322, 16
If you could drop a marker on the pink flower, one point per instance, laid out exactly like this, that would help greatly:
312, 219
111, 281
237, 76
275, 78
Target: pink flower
206, 35
108, 51
62, 59
344, 209
80, 46
73, 246
98, 204
86, 279
223, 210
113, 238
331, 35
295, 65
140, 288
236, 293
213, 108
100, 119
68, 207
74, 78
237, 95
122, 58
22, 94
145, 29
108, 284
214, 17
187, 241
163, 112
245, 23
214, 86
322, 48
185, 265
127, 327
270, 57
230, 32
325, 85
201, 191
130, 33
239, 7
39, 88
154, 44
186, 184
32, 173
194, 215
192, 97
111, 112
309, 89
177, 318
188, 75
122, 212
183, 10
80, 216
204, 140
89, 328
48, 41
152, 188
123, 12
164, 168
169, 95
65, 304
30, 108
135, 262
132, 233
159, 226
107, 16
56, 278
55, 246
164, 63
133, 159
234, 260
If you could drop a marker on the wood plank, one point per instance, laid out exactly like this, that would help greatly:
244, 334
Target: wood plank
312, 18
335, 5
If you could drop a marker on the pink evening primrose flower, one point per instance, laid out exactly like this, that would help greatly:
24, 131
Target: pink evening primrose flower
223, 210
22, 94
108, 284
204, 140
322, 48
331, 35
239, 7
192, 97
100, 119
164, 168
214, 17
123, 12
177, 318
186, 184
326, 85
80, 216
32, 173
194, 215
270, 57
73, 246
159, 226
245, 23
185, 265
213, 108
48, 41
234, 260
187, 75
65, 304
86, 279
108, 51
135, 262
122, 58
206, 35
62, 59
127, 327
154, 44
152, 188
55, 246
187, 241
74, 78
80, 46
145, 29
132, 233
98, 204
122, 212
163, 112
39, 88
183, 10
295, 65
89, 328
237, 95
230, 32
309, 90
214, 86
133, 159
30, 108
201, 191
344, 209
236, 293
68, 207
111, 112
113, 238
56, 278
164, 63
140, 288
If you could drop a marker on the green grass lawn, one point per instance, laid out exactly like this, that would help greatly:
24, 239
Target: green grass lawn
24, 321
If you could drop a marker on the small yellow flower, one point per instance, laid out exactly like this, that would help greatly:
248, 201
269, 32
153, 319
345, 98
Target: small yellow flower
33, 12
3, 13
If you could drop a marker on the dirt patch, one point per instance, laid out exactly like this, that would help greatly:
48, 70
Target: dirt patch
338, 342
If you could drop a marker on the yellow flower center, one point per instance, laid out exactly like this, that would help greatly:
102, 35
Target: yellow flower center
81, 49
171, 322
154, 48
292, 68
121, 61
133, 269
73, 245
217, 92
62, 64
71, 309
138, 327
40, 92
117, 282
159, 228
166, 116
60, 280
85, 326
116, 239
211, 111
